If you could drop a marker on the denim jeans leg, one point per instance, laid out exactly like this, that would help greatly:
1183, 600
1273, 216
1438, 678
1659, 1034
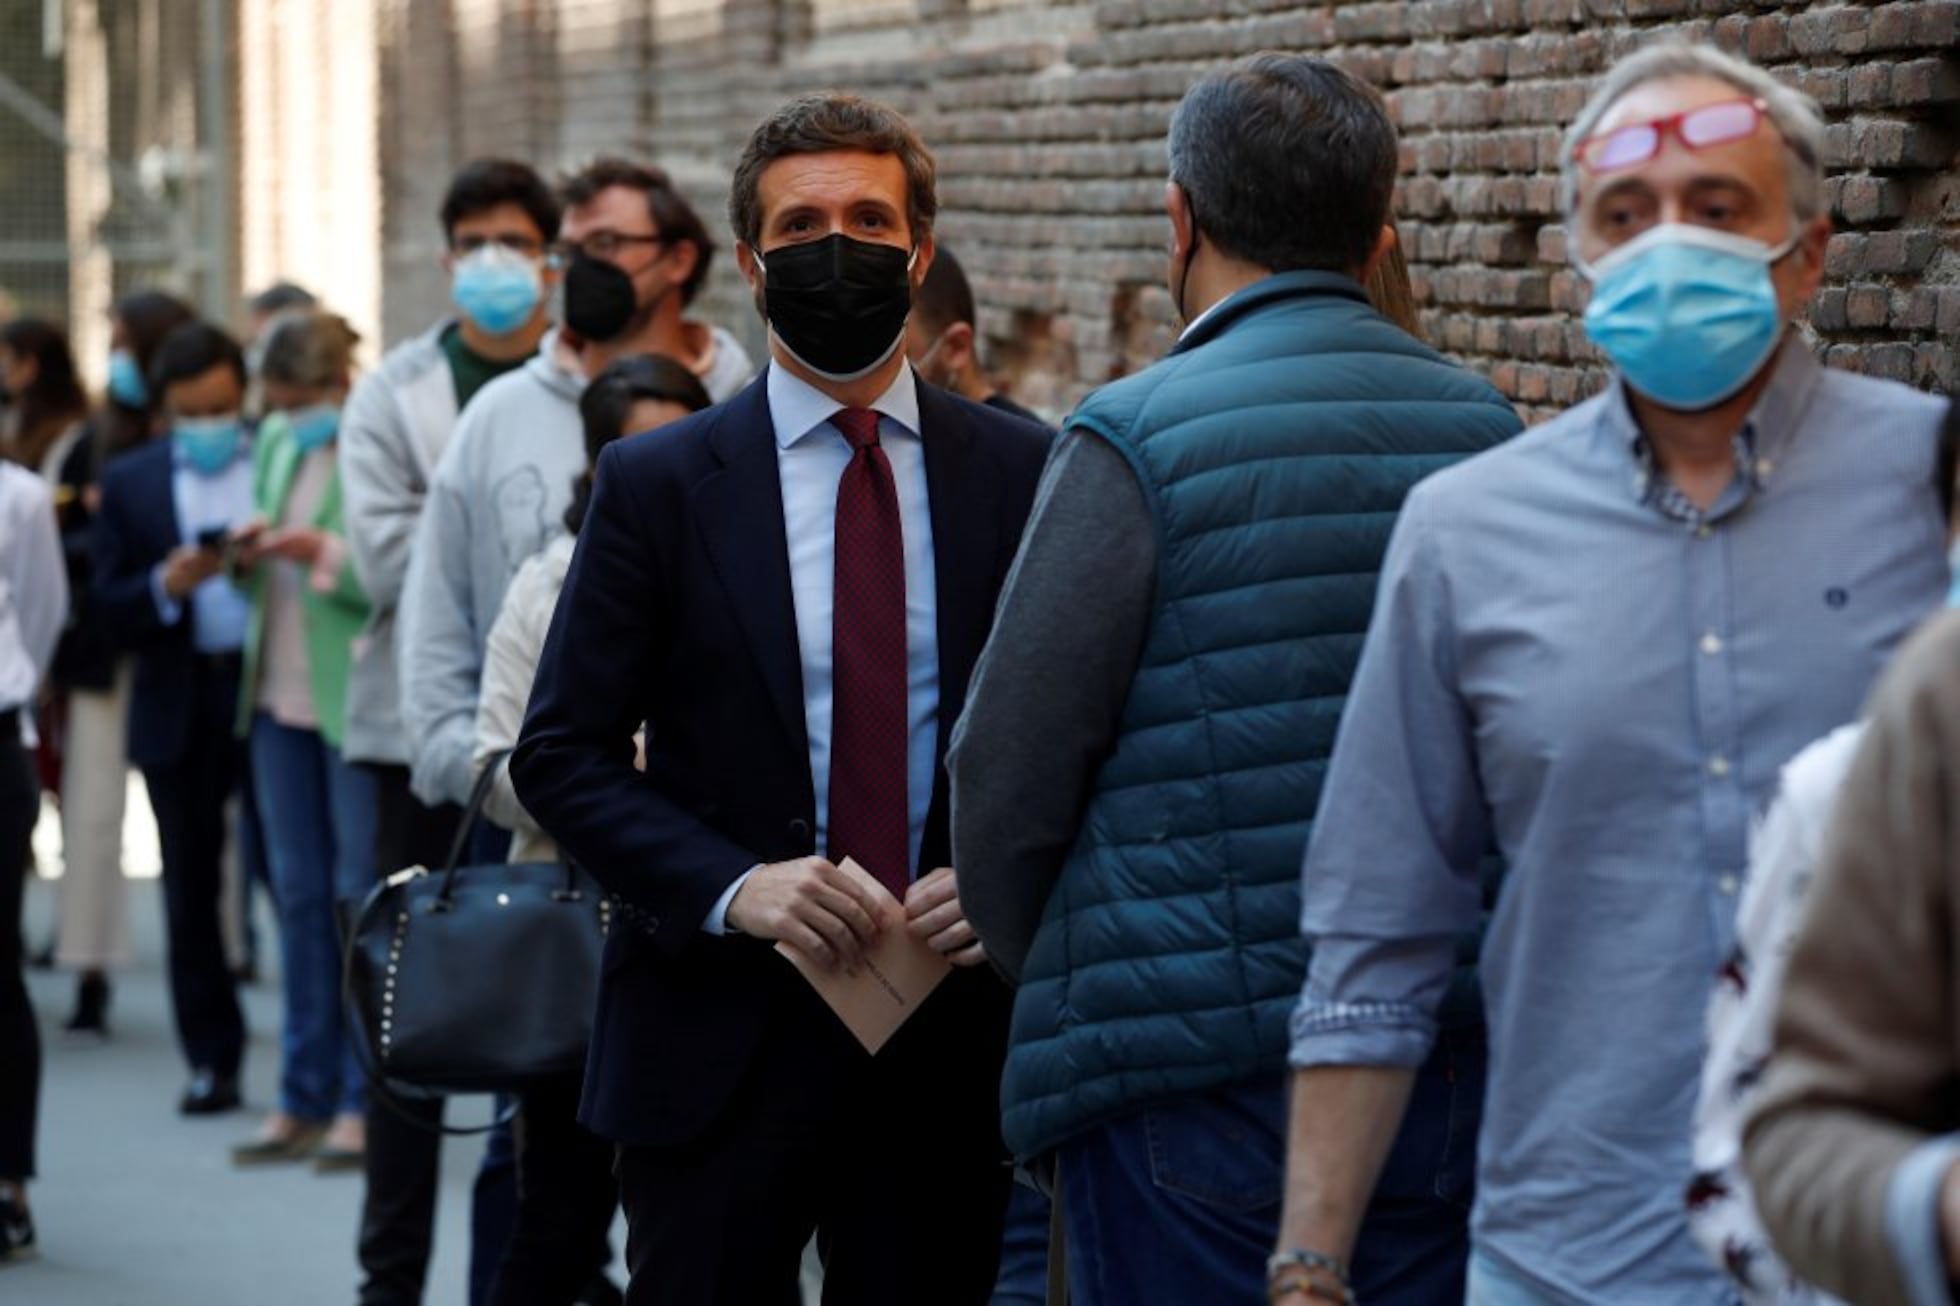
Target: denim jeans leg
289, 773
1023, 1277
493, 1208
1178, 1203
1414, 1244
351, 798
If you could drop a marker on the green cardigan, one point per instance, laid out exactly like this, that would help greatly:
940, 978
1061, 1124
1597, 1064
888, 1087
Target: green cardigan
332, 620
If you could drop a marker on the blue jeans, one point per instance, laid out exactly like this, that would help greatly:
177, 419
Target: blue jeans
1023, 1277
1179, 1202
318, 816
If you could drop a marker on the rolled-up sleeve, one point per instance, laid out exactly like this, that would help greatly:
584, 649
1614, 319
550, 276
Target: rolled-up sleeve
1390, 882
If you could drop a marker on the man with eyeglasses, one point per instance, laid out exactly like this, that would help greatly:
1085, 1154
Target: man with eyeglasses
1594, 647
632, 253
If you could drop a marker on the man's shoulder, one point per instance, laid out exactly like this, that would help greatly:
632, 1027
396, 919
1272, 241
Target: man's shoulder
1491, 479
1019, 444
516, 406
1881, 407
413, 358
143, 463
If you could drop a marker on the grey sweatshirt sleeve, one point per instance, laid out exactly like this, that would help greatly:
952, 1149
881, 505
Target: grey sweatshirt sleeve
440, 660
382, 486
1047, 693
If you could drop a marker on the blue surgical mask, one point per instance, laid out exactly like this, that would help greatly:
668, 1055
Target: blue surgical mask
496, 288
313, 427
1687, 314
126, 384
1953, 565
208, 444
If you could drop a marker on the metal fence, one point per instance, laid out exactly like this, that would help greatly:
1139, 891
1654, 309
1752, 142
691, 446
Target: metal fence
116, 136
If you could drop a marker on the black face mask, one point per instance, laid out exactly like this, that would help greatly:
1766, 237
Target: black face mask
839, 305
599, 299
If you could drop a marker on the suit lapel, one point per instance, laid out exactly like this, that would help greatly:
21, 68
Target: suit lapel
965, 527
739, 512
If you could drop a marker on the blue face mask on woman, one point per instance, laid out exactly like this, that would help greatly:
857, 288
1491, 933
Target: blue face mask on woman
1687, 314
313, 426
208, 443
496, 288
126, 385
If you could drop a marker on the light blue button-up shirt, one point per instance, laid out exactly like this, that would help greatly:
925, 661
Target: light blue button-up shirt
220, 612
1608, 691
811, 455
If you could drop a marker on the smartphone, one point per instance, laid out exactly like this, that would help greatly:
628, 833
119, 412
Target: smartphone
214, 538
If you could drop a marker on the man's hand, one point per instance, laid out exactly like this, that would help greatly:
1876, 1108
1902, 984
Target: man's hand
932, 911
824, 913
187, 567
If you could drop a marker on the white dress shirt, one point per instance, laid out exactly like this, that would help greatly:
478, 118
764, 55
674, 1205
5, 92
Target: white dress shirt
811, 455
33, 588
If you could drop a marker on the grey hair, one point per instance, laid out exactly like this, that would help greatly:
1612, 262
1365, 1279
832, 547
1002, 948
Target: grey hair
1795, 115
307, 347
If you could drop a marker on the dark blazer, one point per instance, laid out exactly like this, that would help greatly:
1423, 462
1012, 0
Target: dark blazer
677, 611
135, 529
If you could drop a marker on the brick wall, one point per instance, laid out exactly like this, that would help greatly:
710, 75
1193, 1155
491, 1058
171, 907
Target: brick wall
1048, 121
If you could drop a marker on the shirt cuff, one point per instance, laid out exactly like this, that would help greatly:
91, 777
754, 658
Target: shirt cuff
716, 921
1912, 1219
168, 609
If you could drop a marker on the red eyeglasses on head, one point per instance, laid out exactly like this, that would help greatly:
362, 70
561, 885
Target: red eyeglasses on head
1698, 129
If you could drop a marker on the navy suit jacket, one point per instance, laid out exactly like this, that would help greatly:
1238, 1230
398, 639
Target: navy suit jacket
677, 611
135, 530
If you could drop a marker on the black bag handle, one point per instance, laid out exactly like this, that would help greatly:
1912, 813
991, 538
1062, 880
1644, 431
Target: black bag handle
472, 810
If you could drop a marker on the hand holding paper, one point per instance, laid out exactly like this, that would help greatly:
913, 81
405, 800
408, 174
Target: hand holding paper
895, 973
933, 912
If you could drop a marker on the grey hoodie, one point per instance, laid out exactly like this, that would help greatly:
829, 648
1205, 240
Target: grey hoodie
499, 496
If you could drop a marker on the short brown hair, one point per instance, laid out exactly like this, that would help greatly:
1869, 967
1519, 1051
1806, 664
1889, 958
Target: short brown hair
817, 124
672, 216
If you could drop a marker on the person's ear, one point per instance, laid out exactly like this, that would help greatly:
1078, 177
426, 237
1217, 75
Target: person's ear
1385, 241
745, 263
683, 256
926, 248
956, 347
1184, 230
1812, 244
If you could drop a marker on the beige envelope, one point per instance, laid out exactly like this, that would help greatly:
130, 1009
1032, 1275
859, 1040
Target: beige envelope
899, 971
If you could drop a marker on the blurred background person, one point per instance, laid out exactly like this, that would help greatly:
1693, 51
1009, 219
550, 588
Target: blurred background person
33, 603
566, 1194
45, 404
92, 680
167, 510
278, 298
317, 809
942, 338
497, 217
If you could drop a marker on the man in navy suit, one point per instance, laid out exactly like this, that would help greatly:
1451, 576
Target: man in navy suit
161, 587
790, 590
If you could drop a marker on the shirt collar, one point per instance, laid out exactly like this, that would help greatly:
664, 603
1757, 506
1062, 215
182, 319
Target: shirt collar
1768, 426
797, 408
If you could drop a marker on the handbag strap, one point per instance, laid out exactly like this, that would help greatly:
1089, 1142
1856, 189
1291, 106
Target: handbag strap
472, 810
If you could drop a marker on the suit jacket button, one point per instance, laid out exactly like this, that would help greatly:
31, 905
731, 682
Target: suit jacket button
799, 831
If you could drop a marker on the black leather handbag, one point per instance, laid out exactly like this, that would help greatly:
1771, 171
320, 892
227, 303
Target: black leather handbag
480, 979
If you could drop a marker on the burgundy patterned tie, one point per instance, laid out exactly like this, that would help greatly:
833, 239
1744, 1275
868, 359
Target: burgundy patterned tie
870, 817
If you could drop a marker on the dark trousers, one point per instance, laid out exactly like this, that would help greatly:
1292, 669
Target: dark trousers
894, 1162
398, 1211
188, 795
566, 1196
20, 1041
1204, 1175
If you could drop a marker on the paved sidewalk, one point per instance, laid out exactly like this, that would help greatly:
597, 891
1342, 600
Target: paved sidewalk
138, 1206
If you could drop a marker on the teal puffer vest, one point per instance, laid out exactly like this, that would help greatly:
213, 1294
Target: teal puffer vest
1274, 445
